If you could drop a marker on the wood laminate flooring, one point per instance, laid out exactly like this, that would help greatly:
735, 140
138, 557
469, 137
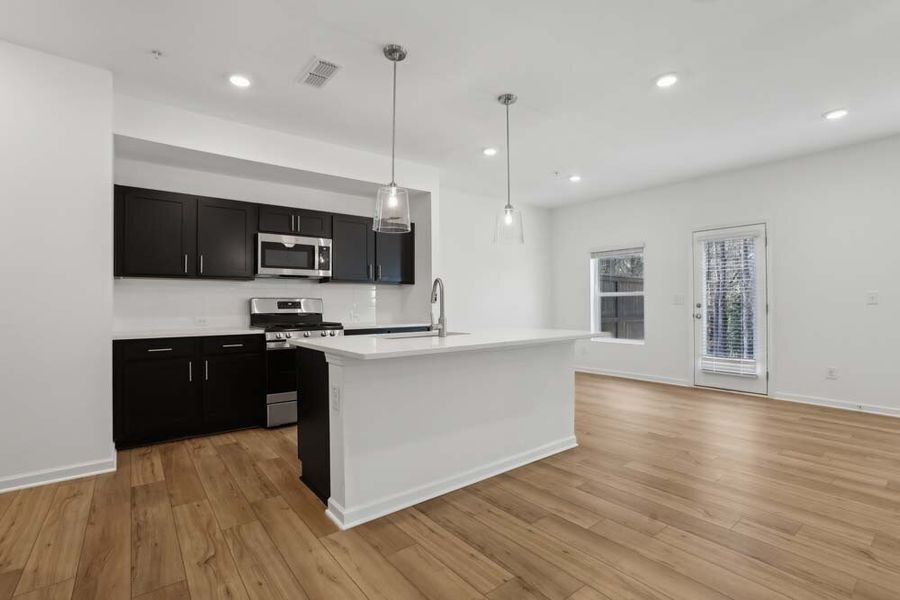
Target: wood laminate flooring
672, 494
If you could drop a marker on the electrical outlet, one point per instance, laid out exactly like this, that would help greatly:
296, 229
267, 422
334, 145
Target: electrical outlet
831, 373
201, 321
678, 299
872, 298
336, 399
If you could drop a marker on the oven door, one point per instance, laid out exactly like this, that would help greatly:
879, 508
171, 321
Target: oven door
292, 256
281, 386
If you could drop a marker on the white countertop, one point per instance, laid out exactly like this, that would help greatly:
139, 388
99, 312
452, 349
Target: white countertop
186, 332
371, 347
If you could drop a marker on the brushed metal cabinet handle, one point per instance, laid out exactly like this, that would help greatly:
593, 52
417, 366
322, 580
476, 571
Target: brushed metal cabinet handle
159, 349
206, 370
201, 264
185, 263
370, 271
190, 371
379, 272
232, 345
293, 227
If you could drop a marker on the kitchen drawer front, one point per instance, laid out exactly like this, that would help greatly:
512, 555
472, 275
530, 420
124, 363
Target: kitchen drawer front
157, 348
234, 344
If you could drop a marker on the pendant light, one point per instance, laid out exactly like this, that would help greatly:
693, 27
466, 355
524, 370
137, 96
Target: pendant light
392, 204
509, 230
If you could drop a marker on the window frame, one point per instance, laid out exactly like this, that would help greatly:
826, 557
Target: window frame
596, 298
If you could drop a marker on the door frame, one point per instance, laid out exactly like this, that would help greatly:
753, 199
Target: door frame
770, 312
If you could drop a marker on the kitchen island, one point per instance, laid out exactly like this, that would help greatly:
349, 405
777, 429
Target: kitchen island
386, 422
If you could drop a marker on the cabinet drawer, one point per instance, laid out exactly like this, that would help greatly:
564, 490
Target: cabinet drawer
233, 344
158, 348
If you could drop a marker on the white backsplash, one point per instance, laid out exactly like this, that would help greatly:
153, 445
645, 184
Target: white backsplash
162, 304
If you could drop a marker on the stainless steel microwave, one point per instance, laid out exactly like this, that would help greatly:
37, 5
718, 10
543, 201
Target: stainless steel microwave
292, 256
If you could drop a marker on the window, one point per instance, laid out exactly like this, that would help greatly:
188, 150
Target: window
617, 293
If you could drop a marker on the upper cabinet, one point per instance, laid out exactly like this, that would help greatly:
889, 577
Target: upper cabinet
395, 257
360, 254
155, 233
353, 249
225, 238
163, 234
294, 221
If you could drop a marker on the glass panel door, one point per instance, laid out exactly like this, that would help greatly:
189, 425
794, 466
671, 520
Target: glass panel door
730, 306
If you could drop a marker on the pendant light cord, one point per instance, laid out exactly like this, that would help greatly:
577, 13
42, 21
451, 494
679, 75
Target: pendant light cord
508, 183
394, 125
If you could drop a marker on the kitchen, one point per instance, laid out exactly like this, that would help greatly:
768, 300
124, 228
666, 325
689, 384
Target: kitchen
486, 300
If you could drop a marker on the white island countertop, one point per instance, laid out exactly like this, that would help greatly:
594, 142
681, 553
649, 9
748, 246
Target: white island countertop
372, 347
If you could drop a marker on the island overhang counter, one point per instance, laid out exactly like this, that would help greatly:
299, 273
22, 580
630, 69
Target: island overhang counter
386, 422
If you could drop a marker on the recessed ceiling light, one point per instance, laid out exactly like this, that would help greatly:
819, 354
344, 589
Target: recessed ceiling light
574, 178
834, 115
489, 151
667, 80
241, 81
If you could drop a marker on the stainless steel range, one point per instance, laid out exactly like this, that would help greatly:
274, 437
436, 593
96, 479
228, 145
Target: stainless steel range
284, 319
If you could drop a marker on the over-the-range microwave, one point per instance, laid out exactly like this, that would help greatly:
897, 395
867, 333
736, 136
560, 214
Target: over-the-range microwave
292, 256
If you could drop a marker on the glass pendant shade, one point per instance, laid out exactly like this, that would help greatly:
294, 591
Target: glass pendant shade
392, 210
510, 230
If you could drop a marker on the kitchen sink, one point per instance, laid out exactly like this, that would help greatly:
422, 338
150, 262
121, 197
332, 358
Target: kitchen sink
418, 334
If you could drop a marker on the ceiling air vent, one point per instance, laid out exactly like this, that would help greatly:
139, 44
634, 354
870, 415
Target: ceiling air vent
319, 72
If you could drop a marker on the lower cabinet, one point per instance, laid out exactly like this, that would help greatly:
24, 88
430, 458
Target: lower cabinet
177, 387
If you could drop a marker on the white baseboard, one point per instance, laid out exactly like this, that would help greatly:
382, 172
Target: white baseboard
874, 409
635, 376
57, 474
345, 519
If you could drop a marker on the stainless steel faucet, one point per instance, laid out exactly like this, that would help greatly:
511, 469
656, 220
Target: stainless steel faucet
442, 320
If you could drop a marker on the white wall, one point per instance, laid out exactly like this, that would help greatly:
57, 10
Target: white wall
160, 304
488, 285
833, 229
56, 266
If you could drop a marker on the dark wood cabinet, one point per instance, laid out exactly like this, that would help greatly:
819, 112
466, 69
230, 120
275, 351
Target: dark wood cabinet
226, 232
360, 254
395, 257
353, 249
178, 387
233, 391
294, 221
157, 395
155, 233
164, 234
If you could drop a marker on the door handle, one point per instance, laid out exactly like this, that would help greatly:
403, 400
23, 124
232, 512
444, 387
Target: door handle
293, 219
201, 264
159, 349
232, 345
370, 270
205, 370
190, 371
185, 263
379, 271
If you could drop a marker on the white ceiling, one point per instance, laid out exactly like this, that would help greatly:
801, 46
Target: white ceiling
756, 75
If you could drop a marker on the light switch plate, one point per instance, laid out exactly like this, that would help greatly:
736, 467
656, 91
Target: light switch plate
678, 300
872, 297
336, 399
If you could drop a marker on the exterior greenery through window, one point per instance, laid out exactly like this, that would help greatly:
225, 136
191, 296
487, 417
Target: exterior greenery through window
617, 293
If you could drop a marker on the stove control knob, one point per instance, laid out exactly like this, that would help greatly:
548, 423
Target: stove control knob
324, 333
279, 336
305, 334
331, 333
288, 335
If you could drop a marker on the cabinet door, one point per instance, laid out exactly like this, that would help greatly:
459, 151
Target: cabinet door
395, 257
225, 238
353, 249
158, 399
233, 391
277, 219
155, 233
313, 223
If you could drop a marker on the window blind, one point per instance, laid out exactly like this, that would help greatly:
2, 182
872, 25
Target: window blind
730, 307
